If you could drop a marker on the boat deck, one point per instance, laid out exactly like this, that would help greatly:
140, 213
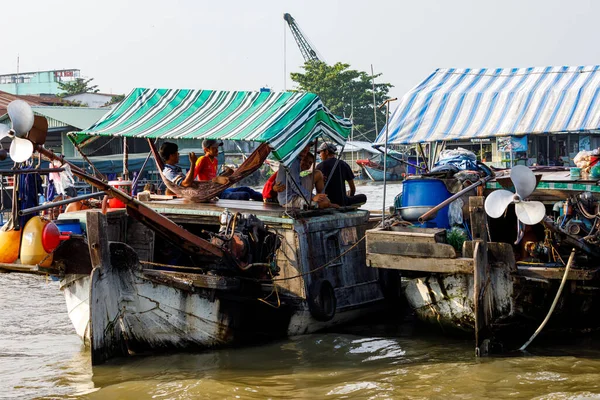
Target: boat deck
268, 212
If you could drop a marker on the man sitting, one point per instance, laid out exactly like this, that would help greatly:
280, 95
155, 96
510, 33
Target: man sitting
294, 194
206, 170
170, 154
336, 179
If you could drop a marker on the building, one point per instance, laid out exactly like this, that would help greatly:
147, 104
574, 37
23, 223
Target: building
94, 100
37, 83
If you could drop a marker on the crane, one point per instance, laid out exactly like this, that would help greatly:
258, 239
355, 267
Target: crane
306, 49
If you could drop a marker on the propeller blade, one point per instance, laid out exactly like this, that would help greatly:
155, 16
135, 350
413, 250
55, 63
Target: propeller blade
39, 131
530, 212
21, 116
20, 149
523, 179
4, 130
497, 201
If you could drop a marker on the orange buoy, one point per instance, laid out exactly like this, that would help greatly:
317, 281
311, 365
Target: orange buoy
10, 243
32, 249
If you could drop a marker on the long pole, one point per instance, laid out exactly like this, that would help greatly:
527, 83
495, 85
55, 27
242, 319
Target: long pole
374, 102
387, 129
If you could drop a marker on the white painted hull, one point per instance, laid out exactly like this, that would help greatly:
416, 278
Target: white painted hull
154, 316
447, 300
76, 289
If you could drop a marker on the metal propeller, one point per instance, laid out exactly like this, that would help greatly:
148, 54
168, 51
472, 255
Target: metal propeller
21, 118
528, 212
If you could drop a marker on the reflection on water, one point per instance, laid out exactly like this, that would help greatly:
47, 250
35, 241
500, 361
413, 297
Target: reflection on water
386, 357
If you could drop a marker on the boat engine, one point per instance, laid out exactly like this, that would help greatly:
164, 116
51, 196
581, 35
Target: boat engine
248, 239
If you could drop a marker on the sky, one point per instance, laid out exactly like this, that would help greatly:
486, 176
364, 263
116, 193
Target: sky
246, 44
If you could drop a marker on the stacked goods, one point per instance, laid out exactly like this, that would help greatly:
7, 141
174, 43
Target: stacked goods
585, 160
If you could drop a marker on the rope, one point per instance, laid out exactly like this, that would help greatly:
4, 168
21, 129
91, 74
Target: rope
308, 272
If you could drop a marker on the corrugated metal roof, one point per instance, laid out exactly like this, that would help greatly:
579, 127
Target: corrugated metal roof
77, 117
6, 98
58, 117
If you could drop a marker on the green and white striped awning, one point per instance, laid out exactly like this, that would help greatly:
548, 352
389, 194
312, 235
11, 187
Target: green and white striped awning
287, 121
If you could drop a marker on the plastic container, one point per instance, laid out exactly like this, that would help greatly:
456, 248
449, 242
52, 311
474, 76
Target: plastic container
10, 243
124, 186
421, 195
69, 225
32, 250
575, 172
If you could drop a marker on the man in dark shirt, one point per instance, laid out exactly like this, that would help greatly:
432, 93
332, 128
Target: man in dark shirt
335, 180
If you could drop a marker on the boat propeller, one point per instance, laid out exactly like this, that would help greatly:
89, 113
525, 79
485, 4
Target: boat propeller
22, 119
528, 212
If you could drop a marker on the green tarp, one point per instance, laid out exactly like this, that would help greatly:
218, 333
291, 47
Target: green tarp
287, 120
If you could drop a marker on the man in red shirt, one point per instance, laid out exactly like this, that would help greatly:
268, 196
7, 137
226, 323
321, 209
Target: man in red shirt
206, 170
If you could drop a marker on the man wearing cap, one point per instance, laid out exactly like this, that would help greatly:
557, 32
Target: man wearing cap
295, 195
170, 154
337, 173
206, 170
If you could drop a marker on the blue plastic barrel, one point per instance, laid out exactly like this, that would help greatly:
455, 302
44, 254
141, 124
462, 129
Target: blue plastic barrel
427, 192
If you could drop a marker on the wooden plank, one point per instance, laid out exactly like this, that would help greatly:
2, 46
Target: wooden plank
436, 265
418, 249
482, 296
26, 269
402, 235
557, 273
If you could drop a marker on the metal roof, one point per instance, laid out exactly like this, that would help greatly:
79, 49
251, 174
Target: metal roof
76, 117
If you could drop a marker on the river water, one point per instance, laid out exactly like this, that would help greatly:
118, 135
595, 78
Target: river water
386, 357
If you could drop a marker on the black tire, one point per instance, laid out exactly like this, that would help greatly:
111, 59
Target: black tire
322, 302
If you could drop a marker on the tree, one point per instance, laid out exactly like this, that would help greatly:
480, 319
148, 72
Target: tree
77, 86
345, 92
116, 98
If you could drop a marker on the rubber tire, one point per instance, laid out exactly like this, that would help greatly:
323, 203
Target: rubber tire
322, 302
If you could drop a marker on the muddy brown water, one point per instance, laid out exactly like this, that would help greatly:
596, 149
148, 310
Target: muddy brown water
387, 357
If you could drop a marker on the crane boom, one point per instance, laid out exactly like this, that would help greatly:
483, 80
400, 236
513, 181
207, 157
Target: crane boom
306, 49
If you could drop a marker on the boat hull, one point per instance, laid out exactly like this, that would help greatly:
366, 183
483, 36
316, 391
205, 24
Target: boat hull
123, 306
377, 175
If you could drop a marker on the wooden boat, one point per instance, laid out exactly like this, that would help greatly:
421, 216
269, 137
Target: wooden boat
140, 294
491, 287
166, 274
373, 167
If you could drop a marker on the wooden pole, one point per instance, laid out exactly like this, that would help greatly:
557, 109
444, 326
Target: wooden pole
481, 274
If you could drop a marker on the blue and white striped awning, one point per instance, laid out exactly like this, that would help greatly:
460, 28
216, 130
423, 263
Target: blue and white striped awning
475, 103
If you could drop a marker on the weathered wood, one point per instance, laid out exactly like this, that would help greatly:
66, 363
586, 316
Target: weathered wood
482, 297
97, 228
557, 273
432, 250
437, 265
399, 234
478, 218
27, 269
498, 253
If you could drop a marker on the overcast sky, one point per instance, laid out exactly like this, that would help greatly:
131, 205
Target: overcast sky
239, 44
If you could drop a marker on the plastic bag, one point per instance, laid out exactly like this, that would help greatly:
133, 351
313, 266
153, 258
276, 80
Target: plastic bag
455, 214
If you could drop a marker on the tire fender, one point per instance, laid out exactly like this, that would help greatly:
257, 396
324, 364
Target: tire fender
322, 302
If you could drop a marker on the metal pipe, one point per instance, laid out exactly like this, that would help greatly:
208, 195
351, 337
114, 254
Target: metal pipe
46, 206
137, 178
387, 129
450, 199
91, 164
29, 171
